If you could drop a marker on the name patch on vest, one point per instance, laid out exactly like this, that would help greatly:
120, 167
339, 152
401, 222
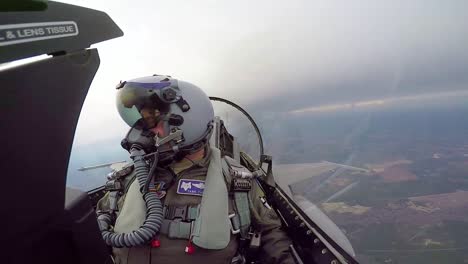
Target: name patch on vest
191, 187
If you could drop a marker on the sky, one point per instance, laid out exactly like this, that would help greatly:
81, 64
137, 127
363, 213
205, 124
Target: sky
282, 56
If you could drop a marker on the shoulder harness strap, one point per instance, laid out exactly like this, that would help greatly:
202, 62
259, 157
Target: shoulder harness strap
239, 187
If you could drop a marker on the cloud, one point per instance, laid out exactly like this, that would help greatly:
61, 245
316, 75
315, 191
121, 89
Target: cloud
278, 56
349, 53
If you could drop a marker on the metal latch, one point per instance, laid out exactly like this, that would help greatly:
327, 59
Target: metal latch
241, 185
234, 223
255, 240
113, 185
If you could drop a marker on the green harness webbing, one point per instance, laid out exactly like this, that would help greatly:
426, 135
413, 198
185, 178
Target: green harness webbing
243, 211
241, 198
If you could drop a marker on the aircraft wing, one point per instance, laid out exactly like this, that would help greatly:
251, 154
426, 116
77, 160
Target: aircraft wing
299, 181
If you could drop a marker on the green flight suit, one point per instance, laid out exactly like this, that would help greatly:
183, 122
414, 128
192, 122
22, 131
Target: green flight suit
274, 242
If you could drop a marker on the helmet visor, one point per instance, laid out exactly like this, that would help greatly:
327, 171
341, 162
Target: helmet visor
141, 100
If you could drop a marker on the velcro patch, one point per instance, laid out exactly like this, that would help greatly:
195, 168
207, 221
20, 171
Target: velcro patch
190, 187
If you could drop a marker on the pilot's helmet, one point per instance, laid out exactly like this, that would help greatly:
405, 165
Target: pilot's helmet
160, 99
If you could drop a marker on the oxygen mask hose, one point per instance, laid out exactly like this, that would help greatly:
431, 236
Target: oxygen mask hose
154, 210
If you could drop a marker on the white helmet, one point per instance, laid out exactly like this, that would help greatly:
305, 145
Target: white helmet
182, 106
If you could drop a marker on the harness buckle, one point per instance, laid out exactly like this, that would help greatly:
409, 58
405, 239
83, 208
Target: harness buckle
113, 185
173, 212
234, 223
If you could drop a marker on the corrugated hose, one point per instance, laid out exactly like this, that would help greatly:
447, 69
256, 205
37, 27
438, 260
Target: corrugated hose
154, 211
